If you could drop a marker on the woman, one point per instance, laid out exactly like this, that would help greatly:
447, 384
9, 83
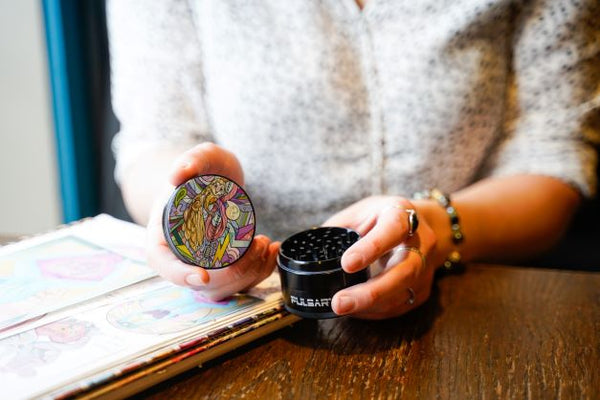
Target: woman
340, 112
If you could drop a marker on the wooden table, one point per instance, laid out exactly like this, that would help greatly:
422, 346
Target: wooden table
488, 332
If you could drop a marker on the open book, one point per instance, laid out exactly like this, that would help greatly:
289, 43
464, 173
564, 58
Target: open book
82, 315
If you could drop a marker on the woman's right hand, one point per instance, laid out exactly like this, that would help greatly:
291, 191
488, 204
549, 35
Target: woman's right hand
256, 264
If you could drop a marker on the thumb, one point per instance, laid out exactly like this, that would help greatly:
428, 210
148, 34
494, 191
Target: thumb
206, 158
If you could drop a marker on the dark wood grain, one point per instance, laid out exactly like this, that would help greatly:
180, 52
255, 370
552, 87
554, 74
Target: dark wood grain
490, 332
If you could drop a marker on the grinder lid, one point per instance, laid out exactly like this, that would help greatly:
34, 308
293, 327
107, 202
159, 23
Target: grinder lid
209, 221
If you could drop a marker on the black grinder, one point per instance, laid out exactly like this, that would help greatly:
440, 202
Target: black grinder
310, 270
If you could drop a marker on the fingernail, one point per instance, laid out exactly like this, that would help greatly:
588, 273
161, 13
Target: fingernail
353, 261
194, 280
180, 166
344, 305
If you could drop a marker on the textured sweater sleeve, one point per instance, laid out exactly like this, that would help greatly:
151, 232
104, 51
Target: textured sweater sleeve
156, 74
553, 100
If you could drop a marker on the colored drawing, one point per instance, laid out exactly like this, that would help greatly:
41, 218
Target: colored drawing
90, 267
25, 353
77, 311
171, 309
209, 221
58, 273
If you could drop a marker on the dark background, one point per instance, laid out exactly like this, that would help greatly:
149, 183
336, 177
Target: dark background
104, 124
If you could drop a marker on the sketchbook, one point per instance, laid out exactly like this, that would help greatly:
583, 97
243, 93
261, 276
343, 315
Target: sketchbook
82, 315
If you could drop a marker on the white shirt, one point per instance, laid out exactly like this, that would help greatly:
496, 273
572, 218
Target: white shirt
325, 104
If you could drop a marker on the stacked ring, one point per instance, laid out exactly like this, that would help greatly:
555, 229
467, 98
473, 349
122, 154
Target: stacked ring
416, 251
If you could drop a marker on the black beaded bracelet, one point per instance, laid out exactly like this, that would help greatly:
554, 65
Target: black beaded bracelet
443, 200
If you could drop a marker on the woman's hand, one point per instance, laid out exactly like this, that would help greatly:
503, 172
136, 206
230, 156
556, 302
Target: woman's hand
406, 279
256, 264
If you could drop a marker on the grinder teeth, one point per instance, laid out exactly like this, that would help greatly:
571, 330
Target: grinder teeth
319, 244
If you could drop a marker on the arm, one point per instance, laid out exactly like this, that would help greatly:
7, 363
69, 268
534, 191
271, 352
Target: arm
158, 98
523, 203
502, 219
146, 194
507, 218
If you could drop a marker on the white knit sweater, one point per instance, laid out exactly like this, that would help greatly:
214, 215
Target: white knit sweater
325, 104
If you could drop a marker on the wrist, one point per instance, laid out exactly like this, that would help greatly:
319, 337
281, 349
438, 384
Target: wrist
437, 219
452, 243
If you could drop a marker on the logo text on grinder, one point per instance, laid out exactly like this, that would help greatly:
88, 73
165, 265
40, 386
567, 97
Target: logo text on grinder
308, 302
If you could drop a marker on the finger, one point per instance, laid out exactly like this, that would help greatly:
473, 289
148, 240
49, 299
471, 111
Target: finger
206, 158
268, 265
244, 269
401, 304
421, 295
383, 292
361, 227
172, 269
390, 230
347, 218
354, 217
254, 266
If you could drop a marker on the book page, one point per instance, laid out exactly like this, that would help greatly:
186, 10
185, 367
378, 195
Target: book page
79, 307
68, 266
55, 354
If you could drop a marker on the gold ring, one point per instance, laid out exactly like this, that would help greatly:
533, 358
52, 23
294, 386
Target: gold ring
416, 251
411, 299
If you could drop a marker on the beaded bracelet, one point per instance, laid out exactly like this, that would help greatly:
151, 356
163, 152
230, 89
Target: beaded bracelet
443, 200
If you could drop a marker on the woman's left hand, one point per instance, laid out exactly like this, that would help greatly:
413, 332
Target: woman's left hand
406, 279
